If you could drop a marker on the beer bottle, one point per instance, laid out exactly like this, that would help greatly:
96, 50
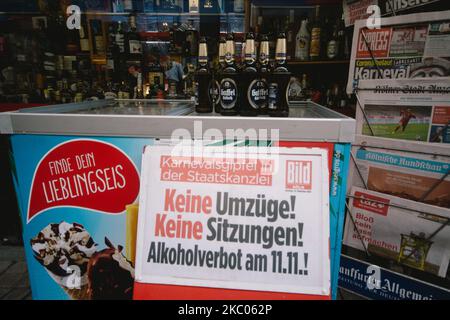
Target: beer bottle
222, 49
203, 78
249, 84
316, 37
279, 79
228, 89
263, 71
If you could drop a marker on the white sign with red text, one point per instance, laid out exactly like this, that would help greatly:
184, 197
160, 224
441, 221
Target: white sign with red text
235, 220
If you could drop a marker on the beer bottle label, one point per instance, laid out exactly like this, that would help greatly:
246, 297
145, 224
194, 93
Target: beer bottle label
273, 96
203, 60
257, 94
263, 58
213, 92
135, 46
120, 40
196, 93
228, 57
332, 49
228, 93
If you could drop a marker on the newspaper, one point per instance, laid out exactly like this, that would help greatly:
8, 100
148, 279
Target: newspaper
404, 47
405, 169
398, 231
405, 109
357, 9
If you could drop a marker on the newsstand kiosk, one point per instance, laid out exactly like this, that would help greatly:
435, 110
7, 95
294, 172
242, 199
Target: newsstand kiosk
76, 169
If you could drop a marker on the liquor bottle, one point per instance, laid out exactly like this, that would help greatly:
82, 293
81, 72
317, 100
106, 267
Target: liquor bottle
120, 37
97, 35
124, 91
84, 39
79, 94
290, 35
111, 53
229, 96
316, 37
259, 28
341, 35
294, 89
133, 53
66, 96
191, 43
249, 82
72, 42
133, 46
279, 81
302, 41
343, 99
202, 79
333, 44
263, 70
139, 90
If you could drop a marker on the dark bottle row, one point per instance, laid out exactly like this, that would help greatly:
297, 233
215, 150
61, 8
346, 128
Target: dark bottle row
254, 87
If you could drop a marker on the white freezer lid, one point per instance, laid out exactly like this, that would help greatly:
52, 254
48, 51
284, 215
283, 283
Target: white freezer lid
307, 121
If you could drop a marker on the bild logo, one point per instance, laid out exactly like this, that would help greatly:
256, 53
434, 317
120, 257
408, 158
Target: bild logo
298, 175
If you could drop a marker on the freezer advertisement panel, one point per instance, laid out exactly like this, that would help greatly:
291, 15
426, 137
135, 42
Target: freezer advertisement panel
78, 201
234, 219
418, 172
414, 46
410, 237
405, 110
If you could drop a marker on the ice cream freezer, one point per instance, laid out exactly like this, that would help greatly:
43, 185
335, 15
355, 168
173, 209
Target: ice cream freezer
76, 170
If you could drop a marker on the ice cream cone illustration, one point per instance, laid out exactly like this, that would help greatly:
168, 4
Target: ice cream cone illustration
132, 219
110, 274
64, 250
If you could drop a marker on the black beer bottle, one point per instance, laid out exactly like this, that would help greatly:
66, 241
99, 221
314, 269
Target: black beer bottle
214, 85
279, 80
228, 90
249, 88
263, 73
218, 75
203, 79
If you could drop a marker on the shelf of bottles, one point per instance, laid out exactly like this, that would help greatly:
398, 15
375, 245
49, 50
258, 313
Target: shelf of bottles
152, 15
123, 48
317, 40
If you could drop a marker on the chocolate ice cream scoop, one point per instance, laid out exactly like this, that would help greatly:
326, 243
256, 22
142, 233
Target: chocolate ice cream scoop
110, 274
